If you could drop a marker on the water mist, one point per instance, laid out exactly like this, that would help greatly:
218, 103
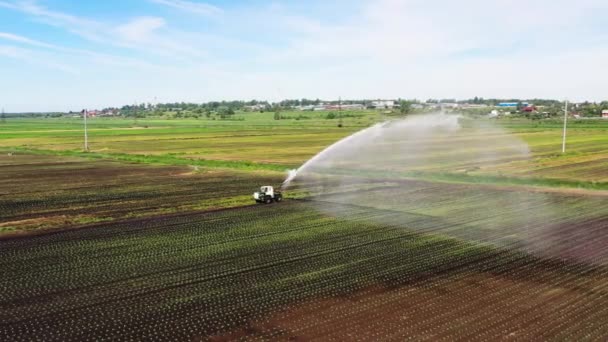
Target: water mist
441, 174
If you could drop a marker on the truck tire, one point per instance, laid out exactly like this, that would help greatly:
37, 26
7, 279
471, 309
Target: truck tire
268, 200
279, 198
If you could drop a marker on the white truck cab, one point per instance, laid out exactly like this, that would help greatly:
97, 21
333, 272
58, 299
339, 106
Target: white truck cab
267, 195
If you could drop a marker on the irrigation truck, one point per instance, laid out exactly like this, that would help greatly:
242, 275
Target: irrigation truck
267, 195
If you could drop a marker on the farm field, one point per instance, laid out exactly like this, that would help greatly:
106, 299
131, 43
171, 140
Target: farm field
244, 273
218, 171
153, 235
585, 159
254, 139
39, 192
539, 221
252, 143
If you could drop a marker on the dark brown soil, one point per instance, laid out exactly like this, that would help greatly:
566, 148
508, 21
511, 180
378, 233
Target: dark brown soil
473, 307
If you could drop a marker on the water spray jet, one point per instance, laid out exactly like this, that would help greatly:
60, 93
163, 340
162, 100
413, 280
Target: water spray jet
438, 174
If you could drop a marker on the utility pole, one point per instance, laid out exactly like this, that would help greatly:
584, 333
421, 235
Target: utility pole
565, 125
340, 111
86, 137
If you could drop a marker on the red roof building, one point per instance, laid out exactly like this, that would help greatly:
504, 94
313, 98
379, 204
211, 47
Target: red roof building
529, 109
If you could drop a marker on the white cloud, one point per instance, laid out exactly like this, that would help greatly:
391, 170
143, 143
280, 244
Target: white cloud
10, 51
25, 40
35, 58
140, 33
400, 31
415, 48
367, 49
140, 29
192, 7
86, 28
61, 52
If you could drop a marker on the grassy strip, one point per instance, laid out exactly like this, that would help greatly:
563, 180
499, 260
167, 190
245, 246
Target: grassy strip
504, 180
165, 159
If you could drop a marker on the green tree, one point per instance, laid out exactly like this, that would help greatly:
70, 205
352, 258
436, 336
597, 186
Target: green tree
277, 113
225, 111
405, 107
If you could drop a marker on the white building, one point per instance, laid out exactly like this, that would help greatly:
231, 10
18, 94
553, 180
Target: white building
383, 104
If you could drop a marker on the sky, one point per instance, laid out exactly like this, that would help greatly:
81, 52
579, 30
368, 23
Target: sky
61, 55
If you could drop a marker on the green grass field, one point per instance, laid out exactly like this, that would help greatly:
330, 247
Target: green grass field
259, 142
255, 139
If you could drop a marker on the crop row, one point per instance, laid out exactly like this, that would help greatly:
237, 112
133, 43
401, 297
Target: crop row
214, 273
72, 192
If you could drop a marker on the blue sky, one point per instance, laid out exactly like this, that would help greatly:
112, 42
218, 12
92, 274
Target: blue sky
59, 55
